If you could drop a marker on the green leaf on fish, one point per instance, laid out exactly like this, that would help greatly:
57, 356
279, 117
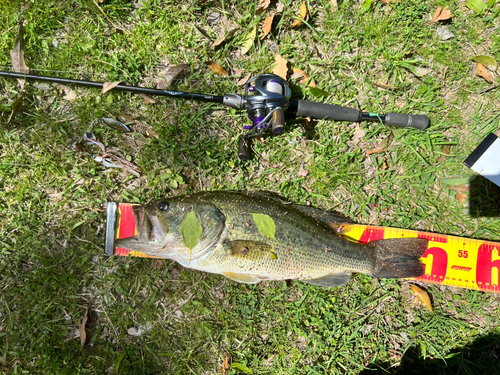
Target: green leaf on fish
191, 230
265, 224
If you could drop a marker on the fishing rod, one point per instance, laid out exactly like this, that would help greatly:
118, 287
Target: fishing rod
266, 100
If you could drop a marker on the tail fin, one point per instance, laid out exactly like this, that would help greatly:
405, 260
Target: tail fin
399, 257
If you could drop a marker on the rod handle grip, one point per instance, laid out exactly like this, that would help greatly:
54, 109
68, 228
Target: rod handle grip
327, 111
402, 120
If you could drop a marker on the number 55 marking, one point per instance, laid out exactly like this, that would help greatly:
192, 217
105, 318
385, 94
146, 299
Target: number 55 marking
463, 253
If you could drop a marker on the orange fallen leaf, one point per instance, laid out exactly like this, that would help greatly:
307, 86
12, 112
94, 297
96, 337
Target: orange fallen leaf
300, 73
109, 86
266, 28
461, 197
462, 188
262, 6
212, 65
483, 72
225, 366
422, 296
384, 165
441, 14
303, 15
244, 80
281, 68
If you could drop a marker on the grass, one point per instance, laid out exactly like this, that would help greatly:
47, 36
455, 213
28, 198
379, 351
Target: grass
52, 197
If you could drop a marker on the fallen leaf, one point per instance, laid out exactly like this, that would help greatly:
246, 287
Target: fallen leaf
281, 68
117, 125
213, 18
384, 165
244, 80
464, 188
109, 86
298, 73
262, 6
441, 14
302, 172
483, 72
422, 296
172, 73
17, 53
226, 36
461, 197
266, 28
381, 146
443, 33
303, 16
335, 5
225, 366
248, 43
15, 108
147, 98
191, 230
83, 329
488, 61
358, 134
17, 56
68, 93
318, 93
241, 368
478, 6
446, 151
216, 68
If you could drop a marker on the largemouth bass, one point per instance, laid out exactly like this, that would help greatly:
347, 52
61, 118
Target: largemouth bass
250, 237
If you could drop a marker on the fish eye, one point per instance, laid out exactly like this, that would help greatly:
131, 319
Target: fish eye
163, 206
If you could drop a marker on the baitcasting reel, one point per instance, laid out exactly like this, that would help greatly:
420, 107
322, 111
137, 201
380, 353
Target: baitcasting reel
266, 100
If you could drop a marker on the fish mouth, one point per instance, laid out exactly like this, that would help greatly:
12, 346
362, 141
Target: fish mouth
151, 232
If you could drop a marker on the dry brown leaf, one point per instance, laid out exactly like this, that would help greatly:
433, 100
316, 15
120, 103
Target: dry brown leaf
244, 80
225, 36
109, 86
262, 6
266, 28
381, 146
225, 366
298, 73
17, 53
441, 15
302, 172
335, 6
172, 73
147, 98
384, 165
462, 188
483, 72
213, 66
83, 329
68, 93
281, 68
445, 150
303, 15
422, 296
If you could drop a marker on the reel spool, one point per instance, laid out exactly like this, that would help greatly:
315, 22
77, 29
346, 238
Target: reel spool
266, 100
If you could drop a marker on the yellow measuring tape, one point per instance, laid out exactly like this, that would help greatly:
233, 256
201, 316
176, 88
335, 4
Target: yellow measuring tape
449, 260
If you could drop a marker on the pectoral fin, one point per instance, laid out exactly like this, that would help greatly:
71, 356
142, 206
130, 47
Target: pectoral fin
241, 278
337, 279
250, 250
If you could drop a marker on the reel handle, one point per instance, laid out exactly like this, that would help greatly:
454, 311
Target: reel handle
278, 121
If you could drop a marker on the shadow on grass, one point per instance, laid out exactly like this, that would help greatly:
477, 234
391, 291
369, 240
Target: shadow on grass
480, 357
484, 198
